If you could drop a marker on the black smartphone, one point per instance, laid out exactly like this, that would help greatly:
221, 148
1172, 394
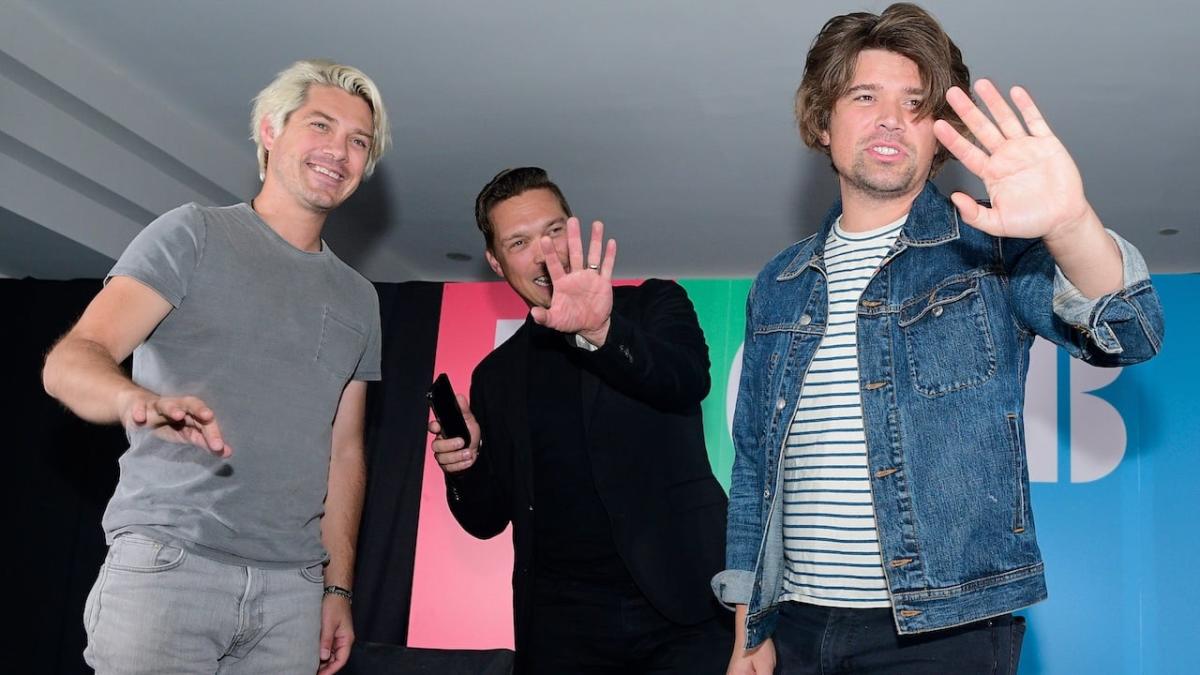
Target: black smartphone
445, 409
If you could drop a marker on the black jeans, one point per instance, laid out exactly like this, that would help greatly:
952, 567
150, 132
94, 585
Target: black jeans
813, 640
584, 628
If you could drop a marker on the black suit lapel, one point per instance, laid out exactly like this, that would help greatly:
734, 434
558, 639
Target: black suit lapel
517, 408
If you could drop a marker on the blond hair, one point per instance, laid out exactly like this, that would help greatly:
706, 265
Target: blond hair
288, 91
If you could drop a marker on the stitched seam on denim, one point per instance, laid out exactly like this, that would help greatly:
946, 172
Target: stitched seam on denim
1018, 574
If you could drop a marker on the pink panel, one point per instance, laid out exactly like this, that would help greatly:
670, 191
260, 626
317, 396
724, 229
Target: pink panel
462, 586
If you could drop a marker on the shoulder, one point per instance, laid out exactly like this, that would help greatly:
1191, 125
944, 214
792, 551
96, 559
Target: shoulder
499, 359
359, 286
781, 261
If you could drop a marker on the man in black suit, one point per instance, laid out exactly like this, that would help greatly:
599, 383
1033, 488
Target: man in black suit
587, 437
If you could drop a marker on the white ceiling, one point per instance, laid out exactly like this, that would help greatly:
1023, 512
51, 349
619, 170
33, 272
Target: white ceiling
670, 120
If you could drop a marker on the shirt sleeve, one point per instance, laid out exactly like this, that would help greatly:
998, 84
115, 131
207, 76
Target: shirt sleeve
369, 368
165, 253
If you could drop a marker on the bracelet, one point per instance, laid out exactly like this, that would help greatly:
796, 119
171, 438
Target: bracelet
340, 592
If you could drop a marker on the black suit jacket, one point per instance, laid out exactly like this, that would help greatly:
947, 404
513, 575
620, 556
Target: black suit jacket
641, 396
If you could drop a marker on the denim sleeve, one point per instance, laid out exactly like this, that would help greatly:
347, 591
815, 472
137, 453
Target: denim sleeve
744, 529
733, 587
1076, 309
1116, 329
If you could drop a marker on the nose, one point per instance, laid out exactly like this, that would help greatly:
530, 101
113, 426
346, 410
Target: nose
338, 147
891, 116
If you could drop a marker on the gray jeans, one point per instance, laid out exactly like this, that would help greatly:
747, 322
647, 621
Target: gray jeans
157, 608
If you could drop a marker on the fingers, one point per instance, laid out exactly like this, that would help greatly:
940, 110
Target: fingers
450, 453
595, 245
1005, 118
195, 421
976, 215
975, 119
339, 654
1032, 116
610, 259
138, 413
574, 245
974, 159
554, 266
469, 418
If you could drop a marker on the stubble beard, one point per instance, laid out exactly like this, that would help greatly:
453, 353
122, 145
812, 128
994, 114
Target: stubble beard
880, 183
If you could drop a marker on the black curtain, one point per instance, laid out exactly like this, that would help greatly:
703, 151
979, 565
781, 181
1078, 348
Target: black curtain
64, 471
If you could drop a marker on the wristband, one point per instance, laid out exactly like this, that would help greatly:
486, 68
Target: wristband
340, 592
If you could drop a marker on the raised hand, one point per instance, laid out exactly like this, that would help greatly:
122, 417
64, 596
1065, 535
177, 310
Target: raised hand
582, 299
1033, 183
181, 419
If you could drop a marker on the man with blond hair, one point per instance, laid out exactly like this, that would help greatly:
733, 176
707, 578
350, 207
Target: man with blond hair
879, 516
232, 530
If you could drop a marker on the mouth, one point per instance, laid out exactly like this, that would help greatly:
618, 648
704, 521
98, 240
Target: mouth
327, 172
886, 152
543, 281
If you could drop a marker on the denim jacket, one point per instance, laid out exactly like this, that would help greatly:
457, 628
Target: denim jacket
944, 331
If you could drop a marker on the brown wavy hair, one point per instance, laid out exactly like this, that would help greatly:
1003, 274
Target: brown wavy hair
903, 28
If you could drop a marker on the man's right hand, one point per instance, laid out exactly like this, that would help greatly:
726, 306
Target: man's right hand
757, 661
180, 419
449, 452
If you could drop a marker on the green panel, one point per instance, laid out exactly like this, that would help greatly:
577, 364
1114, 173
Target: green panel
721, 307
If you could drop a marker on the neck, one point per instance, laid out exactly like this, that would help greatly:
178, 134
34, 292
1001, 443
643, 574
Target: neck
862, 212
298, 226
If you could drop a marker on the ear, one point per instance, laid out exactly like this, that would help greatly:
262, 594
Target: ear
824, 138
266, 132
493, 263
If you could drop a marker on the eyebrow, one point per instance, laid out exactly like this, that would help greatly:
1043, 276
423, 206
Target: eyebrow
524, 232
877, 87
325, 116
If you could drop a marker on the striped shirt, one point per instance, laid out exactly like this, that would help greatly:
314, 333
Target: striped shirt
831, 546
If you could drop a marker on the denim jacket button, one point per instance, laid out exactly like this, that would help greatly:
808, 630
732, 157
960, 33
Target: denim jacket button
767, 493
936, 311
805, 320
781, 403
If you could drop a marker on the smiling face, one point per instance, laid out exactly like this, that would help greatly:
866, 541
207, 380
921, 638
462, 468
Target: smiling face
879, 148
518, 224
319, 156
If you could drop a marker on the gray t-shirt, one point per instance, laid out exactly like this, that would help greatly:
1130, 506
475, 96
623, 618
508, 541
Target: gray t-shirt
268, 336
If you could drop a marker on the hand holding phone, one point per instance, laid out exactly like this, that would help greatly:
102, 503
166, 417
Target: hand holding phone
445, 410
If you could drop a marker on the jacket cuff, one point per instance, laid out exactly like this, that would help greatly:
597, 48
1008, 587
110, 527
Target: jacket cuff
1073, 307
733, 587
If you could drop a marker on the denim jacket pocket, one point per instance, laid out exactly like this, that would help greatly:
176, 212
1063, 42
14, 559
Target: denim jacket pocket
947, 339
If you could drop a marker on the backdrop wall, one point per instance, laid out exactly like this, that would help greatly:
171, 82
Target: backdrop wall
1112, 455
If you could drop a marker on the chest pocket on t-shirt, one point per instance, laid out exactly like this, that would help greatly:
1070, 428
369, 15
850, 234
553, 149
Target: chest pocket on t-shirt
341, 345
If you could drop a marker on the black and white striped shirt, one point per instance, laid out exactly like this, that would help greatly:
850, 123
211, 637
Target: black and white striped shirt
831, 546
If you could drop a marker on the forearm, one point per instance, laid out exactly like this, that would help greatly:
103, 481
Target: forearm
1087, 256
343, 512
85, 377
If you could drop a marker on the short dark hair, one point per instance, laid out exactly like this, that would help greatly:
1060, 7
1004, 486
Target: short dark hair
902, 28
508, 184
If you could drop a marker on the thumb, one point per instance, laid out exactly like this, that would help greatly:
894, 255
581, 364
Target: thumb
326, 638
540, 315
138, 413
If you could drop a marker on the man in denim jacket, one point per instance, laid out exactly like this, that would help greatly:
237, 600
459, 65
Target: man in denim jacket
884, 526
